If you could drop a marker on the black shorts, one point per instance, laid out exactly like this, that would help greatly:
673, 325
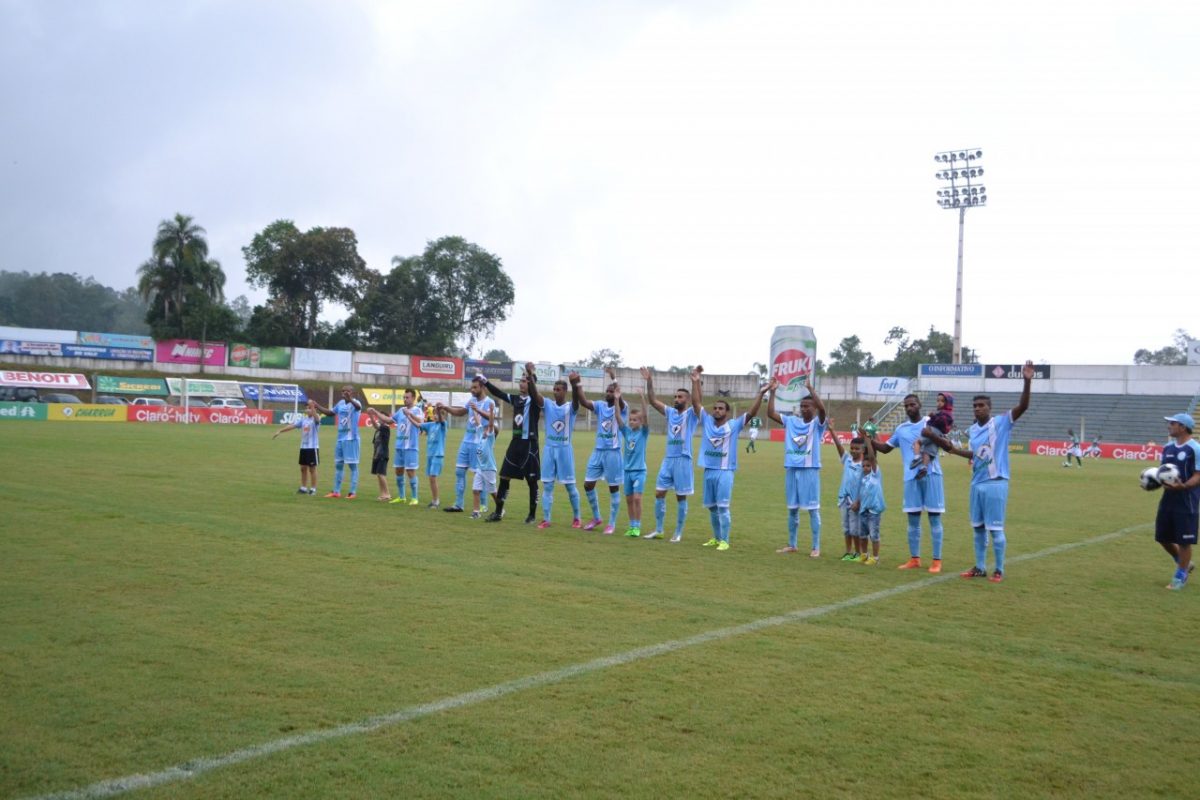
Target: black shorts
522, 460
1176, 526
379, 465
308, 457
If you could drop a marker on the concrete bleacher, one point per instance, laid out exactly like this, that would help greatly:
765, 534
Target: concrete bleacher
1114, 418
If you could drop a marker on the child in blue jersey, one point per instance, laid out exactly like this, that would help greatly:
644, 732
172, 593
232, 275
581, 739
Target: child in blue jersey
408, 420
848, 493
485, 470
309, 426
634, 435
346, 413
676, 472
435, 450
870, 505
1178, 520
718, 456
605, 461
802, 436
558, 457
479, 407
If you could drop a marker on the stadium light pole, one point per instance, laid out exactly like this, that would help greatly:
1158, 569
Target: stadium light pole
962, 189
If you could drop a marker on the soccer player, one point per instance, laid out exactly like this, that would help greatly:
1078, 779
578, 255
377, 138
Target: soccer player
802, 435
435, 451
1093, 450
848, 493
718, 456
485, 472
468, 451
522, 460
753, 434
676, 470
408, 420
870, 506
925, 494
989, 475
309, 426
1073, 450
1178, 519
634, 435
605, 461
558, 457
347, 412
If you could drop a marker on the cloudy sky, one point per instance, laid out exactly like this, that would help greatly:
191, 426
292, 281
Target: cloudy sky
667, 179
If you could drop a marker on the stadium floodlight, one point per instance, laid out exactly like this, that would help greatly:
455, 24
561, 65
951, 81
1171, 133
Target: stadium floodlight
964, 190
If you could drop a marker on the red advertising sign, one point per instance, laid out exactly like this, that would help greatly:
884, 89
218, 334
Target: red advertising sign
46, 380
440, 367
217, 416
188, 351
1151, 453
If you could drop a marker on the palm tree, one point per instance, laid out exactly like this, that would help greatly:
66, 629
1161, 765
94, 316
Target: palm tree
179, 267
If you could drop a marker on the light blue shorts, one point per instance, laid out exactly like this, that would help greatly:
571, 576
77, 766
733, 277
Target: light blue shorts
346, 452
718, 488
850, 526
924, 494
406, 459
468, 455
676, 475
868, 525
989, 502
635, 481
607, 464
802, 487
558, 464
433, 465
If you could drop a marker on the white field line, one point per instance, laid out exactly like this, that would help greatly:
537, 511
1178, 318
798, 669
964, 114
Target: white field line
202, 765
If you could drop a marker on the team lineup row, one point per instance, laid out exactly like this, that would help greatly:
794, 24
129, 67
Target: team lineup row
618, 460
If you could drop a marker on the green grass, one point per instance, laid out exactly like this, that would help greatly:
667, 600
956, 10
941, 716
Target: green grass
166, 596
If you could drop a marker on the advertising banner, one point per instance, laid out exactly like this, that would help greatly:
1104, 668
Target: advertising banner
59, 350
793, 354
1040, 371
119, 340
274, 393
188, 351
882, 386
162, 414
249, 355
22, 411
17, 347
44, 380
1151, 453
311, 360
205, 388
381, 364
386, 397
547, 374
219, 416
38, 335
492, 370
950, 370
429, 367
85, 412
149, 387
584, 372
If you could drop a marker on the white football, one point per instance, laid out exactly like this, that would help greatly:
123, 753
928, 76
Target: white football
1169, 474
1149, 479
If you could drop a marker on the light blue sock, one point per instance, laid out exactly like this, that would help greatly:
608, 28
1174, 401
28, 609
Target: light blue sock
547, 499
981, 548
682, 517
714, 519
353, 478
914, 535
614, 508
573, 494
935, 534
412, 487
814, 521
338, 471
793, 527
726, 523
999, 545
660, 512
460, 485
400, 486
593, 501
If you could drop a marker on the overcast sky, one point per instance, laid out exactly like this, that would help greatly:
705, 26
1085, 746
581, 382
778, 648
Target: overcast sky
667, 179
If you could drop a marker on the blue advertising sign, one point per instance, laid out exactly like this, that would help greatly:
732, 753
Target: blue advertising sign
116, 340
492, 370
951, 370
61, 350
274, 393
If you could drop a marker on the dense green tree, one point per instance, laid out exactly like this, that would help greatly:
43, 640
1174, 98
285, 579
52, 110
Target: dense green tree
936, 348
602, 358
1171, 355
179, 272
496, 354
303, 271
850, 359
69, 302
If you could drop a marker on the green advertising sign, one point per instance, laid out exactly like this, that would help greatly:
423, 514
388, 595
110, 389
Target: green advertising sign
150, 387
19, 411
249, 355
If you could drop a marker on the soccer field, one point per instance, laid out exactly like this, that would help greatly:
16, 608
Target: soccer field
172, 615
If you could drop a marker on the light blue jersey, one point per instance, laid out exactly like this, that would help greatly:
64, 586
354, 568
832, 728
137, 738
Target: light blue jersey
408, 429
475, 422
989, 443
681, 426
802, 441
851, 477
635, 447
560, 422
435, 441
310, 430
870, 493
718, 445
347, 414
902, 439
608, 427
487, 453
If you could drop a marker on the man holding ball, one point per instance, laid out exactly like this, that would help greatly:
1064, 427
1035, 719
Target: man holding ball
1178, 519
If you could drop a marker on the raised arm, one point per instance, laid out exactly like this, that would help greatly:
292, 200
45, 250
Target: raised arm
322, 410
1023, 404
697, 390
878, 447
531, 382
612, 374
772, 414
285, 429
378, 418
762, 392
577, 398
494, 391
833, 435
812, 390
648, 376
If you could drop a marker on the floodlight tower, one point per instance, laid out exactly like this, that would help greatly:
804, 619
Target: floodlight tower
963, 189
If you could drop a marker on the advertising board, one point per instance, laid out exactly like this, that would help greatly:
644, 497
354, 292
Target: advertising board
149, 387
547, 374
950, 370
189, 351
445, 367
60, 350
38, 335
205, 388
1040, 371
492, 370
253, 356
121, 340
85, 412
44, 380
274, 393
22, 411
217, 416
1121, 451
882, 386
306, 358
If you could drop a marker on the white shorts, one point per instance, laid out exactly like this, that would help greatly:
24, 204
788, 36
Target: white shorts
485, 481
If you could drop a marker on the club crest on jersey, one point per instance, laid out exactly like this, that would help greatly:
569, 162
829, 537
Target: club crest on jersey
559, 426
606, 426
676, 429
983, 456
717, 441
518, 419
800, 439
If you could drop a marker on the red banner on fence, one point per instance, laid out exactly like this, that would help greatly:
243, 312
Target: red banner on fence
1121, 451
216, 416
441, 367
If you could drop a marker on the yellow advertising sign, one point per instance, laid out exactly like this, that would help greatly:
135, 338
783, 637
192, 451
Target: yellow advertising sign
386, 397
85, 412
